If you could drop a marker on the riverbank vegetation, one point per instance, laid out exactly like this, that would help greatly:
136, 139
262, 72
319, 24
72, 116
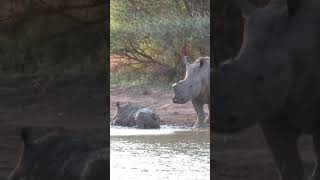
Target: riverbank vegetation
149, 38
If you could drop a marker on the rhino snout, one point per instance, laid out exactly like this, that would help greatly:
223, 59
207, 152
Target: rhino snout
179, 100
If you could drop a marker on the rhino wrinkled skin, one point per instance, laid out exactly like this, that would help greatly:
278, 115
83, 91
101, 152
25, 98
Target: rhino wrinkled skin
195, 87
141, 117
275, 81
57, 156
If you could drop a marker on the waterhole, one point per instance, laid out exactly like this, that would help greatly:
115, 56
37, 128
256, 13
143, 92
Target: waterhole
165, 153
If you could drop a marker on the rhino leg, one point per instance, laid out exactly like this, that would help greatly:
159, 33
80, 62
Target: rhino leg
207, 121
316, 171
198, 107
282, 142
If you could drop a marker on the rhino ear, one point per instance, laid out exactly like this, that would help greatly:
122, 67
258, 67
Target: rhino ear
185, 61
25, 136
202, 61
118, 104
246, 7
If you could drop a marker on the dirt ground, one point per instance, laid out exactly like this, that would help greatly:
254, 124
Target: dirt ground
79, 105
158, 100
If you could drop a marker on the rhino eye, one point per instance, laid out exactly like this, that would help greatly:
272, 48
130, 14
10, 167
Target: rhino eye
260, 78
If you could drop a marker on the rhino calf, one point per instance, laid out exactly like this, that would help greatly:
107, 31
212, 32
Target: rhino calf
195, 87
142, 117
57, 156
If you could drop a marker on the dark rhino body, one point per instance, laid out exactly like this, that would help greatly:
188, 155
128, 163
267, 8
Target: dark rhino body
141, 117
58, 156
195, 87
274, 80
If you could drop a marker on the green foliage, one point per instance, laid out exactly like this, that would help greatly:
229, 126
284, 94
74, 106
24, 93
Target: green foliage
174, 33
154, 35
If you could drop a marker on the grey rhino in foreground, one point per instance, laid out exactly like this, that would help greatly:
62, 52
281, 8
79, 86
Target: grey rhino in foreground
195, 87
141, 117
274, 80
57, 156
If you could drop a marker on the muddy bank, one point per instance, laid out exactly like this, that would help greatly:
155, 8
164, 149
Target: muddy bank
158, 100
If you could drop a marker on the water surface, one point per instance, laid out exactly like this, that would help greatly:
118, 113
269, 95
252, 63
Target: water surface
165, 153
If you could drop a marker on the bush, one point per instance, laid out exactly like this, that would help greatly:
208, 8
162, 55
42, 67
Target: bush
154, 38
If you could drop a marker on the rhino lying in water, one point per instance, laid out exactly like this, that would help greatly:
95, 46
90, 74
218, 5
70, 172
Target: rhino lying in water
274, 80
195, 87
141, 117
58, 156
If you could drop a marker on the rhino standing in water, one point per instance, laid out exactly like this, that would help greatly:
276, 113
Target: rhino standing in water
58, 156
274, 80
195, 87
142, 117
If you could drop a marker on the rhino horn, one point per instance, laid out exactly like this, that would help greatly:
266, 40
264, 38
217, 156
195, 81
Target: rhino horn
185, 61
246, 7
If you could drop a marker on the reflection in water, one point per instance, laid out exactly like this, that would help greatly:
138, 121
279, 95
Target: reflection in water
166, 153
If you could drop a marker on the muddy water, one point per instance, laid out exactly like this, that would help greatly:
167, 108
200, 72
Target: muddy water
166, 153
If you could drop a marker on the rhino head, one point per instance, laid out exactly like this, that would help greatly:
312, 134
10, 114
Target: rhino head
192, 85
254, 84
121, 116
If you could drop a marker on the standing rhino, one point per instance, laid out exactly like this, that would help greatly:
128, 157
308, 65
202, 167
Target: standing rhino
195, 87
58, 156
274, 80
142, 117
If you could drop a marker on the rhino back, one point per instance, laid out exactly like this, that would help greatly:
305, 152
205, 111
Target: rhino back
146, 118
205, 88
